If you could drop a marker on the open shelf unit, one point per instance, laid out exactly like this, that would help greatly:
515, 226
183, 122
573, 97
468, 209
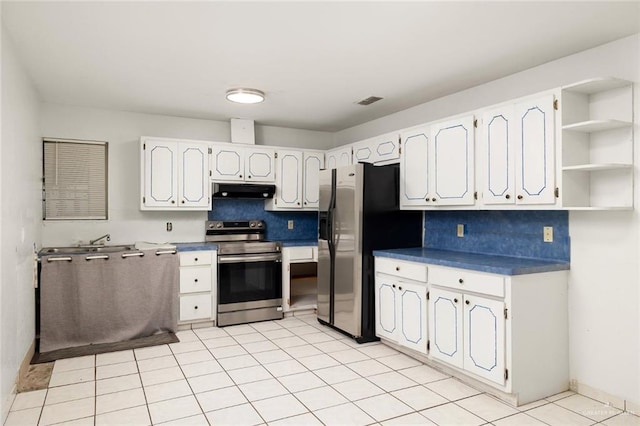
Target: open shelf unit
597, 145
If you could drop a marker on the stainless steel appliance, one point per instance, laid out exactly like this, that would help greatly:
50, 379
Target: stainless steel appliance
249, 272
359, 213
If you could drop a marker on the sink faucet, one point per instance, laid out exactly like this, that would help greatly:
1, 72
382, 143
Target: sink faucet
107, 236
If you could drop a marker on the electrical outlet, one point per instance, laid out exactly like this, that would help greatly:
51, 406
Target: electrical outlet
460, 230
169, 226
547, 234
290, 224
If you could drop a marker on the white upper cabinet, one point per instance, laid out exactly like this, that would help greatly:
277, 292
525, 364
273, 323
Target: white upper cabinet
453, 162
313, 163
535, 151
498, 160
175, 175
414, 168
339, 157
297, 180
381, 149
232, 163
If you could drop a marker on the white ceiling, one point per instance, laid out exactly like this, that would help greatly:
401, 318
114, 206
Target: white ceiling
314, 60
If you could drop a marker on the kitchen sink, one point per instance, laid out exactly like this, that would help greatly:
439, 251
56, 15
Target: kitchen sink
86, 249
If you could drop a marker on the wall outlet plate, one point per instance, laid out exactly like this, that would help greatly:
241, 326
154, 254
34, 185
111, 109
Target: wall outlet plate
169, 226
290, 224
547, 234
460, 230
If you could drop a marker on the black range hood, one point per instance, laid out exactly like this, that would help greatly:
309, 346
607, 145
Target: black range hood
243, 190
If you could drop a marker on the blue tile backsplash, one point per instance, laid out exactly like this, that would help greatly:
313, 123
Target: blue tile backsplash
305, 223
509, 233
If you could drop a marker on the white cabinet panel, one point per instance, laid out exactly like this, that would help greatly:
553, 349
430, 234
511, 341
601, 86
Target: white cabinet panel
535, 151
414, 168
338, 157
259, 164
445, 326
195, 279
228, 163
484, 338
193, 166
386, 306
413, 316
498, 133
195, 307
313, 163
453, 162
289, 181
385, 148
174, 175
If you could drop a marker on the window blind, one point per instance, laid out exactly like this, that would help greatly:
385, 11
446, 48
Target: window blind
75, 179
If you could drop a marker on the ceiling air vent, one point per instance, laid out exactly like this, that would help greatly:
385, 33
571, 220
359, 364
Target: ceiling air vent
369, 100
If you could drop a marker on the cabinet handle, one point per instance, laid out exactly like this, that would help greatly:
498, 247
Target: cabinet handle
455, 300
460, 280
466, 302
195, 307
173, 201
249, 177
399, 288
298, 203
305, 203
393, 285
195, 260
507, 196
240, 175
182, 201
520, 197
397, 268
433, 199
196, 280
427, 199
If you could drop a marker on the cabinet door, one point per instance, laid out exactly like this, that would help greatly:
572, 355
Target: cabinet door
535, 149
445, 326
228, 163
414, 168
338, 158
484, 331
193, 169
363, 152
412, 310
498, 136
160, 173
386, 148
289, 182
453, 167
260, 165
386, 305
313, 162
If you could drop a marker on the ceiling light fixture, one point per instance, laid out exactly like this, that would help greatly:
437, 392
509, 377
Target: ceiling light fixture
245, 96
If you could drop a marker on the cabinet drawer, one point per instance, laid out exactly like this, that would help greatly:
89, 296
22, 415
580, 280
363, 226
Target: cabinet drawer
464, 280
410, 270
195, 307
195, 279
192, 258
297, 254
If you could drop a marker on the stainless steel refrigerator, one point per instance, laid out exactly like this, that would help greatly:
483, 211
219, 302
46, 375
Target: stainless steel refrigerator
359, 213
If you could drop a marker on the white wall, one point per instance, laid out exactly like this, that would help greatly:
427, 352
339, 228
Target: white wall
604, 295
122, 130
20, 222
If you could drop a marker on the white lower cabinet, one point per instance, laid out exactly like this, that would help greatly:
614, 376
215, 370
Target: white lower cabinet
401, 306
299, 278
506, 332
198, 283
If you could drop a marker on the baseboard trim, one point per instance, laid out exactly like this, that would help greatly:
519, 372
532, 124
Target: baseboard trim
24, 366
22, 372
604, 397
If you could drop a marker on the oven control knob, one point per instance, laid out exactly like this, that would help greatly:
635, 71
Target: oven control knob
218, 225
252, 225
259, 224
211, 226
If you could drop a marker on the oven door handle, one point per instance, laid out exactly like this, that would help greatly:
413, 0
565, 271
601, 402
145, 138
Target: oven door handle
246, 259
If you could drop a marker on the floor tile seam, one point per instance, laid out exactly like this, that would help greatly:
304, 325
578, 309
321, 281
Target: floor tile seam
65, 422
533, 408
144, 393
184, 377
249, 402
564, 408
11, 410
121, 409
478, 415
587, 417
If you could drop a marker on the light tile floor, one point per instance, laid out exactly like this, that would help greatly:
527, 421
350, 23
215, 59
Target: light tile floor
289, 372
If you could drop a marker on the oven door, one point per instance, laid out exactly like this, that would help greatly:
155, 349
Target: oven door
249, 281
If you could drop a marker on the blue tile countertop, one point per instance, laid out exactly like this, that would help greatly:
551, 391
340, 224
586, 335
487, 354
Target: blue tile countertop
196, 246
503, 265
299, 243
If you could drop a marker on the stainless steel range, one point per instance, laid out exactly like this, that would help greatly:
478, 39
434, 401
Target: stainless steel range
249, 272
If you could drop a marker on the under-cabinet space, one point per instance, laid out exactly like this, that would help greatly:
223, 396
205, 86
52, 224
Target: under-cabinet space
303, 285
